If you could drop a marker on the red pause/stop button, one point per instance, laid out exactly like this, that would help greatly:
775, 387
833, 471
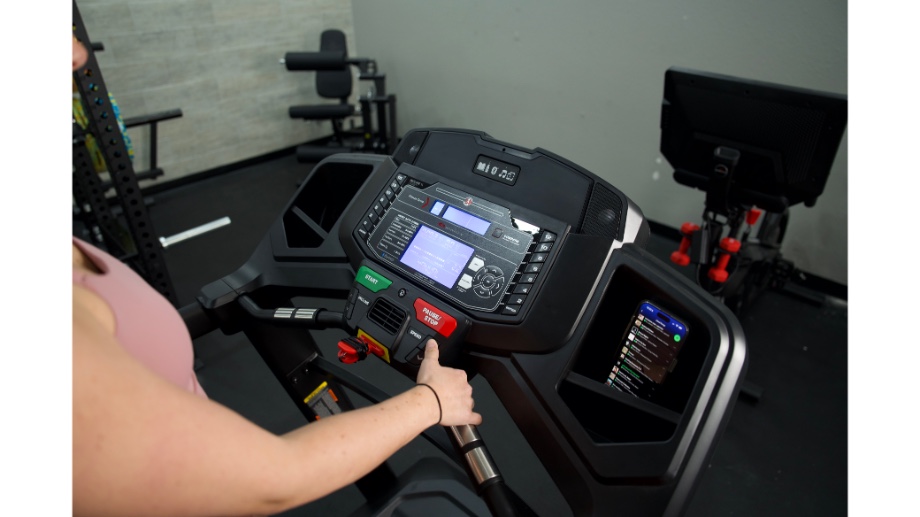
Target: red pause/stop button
434, 318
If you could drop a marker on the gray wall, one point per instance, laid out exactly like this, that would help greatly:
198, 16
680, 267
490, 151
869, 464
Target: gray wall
216, 60
584, 79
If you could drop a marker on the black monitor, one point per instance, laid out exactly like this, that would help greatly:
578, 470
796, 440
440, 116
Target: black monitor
757, 143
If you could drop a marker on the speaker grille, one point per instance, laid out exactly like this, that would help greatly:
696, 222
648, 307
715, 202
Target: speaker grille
605, 209
388, 316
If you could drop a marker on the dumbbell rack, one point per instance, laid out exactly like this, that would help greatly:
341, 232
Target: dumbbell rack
137, 245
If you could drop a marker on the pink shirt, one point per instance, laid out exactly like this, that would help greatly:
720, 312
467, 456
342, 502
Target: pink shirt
146, 324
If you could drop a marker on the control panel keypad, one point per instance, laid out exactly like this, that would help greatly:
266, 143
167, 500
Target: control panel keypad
488, 281
484, 280
383, 202
528, 273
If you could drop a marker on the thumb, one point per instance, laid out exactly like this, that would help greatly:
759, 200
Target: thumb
431, 351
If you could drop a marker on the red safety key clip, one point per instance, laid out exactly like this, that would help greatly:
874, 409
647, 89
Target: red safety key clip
354, 349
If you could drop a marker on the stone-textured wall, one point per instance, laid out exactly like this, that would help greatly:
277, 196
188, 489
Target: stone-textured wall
217, 61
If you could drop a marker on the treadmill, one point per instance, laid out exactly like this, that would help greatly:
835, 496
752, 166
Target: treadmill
529, 271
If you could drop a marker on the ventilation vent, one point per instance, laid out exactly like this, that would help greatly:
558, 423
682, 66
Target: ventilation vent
388, 316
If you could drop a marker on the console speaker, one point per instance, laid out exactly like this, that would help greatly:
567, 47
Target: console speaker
605, 210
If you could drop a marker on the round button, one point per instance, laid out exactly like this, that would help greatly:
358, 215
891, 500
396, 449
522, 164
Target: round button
497, 287
402, 293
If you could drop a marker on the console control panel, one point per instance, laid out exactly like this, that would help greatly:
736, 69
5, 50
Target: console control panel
472, 251
400, 318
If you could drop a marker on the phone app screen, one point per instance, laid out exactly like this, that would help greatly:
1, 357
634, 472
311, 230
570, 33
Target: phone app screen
647, 352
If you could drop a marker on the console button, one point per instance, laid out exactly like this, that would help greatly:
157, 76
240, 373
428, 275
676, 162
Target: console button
434, 318
394, 186
416, 355
400, 178
533, 268
389, 194
517, 299
523, 288
538, 257
476, 264
547, 237
544, 247
413, 339
489, 281
374, 281
372, 216
511, 310
528, 278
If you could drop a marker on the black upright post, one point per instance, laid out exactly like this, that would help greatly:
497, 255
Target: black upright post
147, 256
91, 206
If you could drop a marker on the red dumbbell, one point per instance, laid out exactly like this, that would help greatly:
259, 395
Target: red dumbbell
680, 256
729, 247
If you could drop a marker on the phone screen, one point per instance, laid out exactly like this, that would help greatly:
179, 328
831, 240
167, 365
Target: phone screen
647, 352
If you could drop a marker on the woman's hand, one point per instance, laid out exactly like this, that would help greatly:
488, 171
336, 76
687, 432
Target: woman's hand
454, 393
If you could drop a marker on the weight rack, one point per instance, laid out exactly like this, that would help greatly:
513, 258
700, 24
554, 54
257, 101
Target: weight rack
138, 244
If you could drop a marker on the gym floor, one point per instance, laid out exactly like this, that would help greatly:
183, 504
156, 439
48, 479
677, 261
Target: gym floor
784, 454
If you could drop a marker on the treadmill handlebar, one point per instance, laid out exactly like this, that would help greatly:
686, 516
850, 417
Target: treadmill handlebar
301, 317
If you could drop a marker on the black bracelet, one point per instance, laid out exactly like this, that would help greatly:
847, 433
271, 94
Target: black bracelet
440, 413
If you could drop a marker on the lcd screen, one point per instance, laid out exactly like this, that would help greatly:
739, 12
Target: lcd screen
438, 206
466, 220
437, 256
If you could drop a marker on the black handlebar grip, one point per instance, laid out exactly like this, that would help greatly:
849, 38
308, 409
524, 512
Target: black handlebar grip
325, 60
196, 320
503, 502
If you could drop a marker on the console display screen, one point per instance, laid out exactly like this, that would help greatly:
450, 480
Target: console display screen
437, 256
436, 209
647, 352
466, 220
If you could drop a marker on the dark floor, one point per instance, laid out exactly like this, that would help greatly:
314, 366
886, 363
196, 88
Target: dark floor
784, 455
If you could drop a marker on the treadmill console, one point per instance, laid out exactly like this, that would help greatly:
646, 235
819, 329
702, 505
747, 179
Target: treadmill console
461, 245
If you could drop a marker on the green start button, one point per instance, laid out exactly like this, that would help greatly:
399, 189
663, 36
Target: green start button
372, 280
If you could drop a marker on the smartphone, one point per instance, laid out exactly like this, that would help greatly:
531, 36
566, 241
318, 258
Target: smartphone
647, 352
